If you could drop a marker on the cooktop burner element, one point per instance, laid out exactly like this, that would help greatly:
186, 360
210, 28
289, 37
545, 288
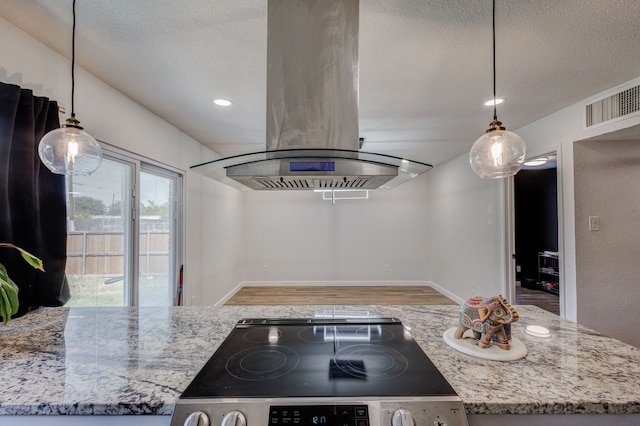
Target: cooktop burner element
262, 363
383, 362
318, 371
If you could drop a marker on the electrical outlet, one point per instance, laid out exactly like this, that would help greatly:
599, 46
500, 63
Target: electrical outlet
594, 223
387, 268
265, 269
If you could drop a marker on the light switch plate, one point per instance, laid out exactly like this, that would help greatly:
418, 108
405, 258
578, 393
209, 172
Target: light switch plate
594, 223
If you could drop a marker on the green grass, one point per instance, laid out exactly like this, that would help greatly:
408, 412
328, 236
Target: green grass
103, 290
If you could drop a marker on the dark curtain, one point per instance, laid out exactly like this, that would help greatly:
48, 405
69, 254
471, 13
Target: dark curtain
32, 199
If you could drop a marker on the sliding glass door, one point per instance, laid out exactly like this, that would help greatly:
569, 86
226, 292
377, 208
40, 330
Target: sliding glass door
124, 244
157, 237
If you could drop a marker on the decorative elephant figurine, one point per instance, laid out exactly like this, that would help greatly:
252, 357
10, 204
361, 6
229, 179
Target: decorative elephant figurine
489, 318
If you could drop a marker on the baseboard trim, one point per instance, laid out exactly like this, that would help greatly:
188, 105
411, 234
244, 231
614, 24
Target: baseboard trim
446, 293
229, 295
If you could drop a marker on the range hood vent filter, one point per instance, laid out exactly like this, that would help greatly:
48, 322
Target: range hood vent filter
293, 183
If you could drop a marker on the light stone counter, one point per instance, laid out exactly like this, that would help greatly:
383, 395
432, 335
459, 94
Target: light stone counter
137, 361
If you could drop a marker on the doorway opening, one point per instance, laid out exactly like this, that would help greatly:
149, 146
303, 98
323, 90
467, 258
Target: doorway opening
536, 234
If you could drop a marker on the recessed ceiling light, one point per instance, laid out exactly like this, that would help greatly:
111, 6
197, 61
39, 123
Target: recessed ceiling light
223, 102
536, 162
498, 102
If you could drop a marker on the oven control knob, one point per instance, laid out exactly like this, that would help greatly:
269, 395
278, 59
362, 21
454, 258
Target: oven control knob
402, 418
197, 418
234, 418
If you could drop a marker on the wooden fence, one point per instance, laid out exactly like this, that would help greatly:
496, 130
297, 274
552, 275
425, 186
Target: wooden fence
103, 253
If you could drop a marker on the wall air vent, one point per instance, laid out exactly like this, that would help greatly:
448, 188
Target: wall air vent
618, 105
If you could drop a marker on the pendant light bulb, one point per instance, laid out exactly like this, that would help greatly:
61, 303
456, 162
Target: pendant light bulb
69, 149
498, 153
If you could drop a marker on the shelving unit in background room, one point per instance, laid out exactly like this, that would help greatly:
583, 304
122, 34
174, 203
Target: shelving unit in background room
548, 272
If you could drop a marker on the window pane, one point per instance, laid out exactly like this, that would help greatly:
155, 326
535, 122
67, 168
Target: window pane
98, 227
156, 260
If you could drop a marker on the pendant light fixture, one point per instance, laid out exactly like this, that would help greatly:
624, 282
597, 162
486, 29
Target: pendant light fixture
69, 149
498, 153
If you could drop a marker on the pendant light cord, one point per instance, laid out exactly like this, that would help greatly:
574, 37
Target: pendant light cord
73, 60
493, 26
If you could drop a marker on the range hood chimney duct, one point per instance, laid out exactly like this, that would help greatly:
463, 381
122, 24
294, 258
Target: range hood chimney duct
312, 139
312, 74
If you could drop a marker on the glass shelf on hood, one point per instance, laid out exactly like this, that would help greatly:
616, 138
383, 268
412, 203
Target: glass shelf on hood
216, 169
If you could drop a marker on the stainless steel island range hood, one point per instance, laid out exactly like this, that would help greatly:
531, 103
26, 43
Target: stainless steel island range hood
312, 108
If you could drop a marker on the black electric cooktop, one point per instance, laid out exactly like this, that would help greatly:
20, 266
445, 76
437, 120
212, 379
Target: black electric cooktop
272, 358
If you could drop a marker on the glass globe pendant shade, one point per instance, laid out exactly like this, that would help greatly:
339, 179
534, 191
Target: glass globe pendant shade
498, 153
70, 150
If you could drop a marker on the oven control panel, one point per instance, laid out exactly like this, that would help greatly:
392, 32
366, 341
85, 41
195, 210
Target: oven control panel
312, 415
422, 411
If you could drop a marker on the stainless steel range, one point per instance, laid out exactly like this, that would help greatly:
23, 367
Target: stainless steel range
308, 372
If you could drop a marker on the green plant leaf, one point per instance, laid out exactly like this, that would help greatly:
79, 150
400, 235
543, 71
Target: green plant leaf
8, 289
4, 276
5, 306
32, 260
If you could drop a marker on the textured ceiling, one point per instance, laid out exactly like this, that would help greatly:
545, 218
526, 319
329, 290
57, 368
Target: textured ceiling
425, 65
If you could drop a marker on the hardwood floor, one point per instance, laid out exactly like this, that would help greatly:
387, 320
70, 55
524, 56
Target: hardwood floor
370, 295
339, 295
547, 301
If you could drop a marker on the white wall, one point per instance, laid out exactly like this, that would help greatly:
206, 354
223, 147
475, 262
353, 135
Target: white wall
466, 231
292, 236
606, 185
111, 117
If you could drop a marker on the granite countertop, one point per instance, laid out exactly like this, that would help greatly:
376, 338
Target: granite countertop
130, 361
